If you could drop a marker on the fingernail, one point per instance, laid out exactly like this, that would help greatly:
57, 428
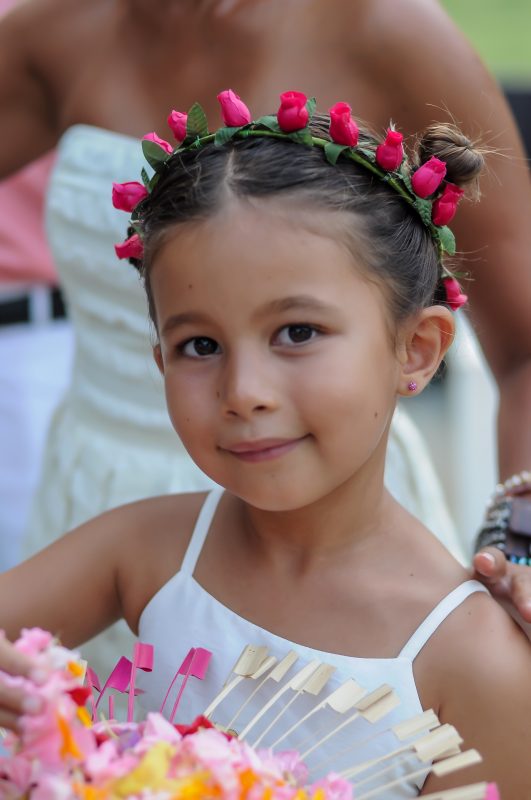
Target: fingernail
38, 675
526, 608
489, 557
31, 704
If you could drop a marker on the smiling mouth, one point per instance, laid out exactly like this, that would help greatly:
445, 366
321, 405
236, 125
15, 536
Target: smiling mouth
262, 450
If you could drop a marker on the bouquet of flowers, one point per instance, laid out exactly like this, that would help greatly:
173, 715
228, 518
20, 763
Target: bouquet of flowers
62, 753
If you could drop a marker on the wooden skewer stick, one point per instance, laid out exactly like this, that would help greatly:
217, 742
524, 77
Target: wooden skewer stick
250, 660
295, 683
426, 721
436, 744
313, 685
445, 767
277, 674
341, 700
262, 670
476, 791
433, 745
372, 707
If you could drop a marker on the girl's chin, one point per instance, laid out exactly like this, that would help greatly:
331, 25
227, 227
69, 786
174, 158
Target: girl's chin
276, 498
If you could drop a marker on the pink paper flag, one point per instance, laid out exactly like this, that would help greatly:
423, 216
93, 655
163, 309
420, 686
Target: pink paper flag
93, 682
183, 669
197, 666
142, 659
118, 679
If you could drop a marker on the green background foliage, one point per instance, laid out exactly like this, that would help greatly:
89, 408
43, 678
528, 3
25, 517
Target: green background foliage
500, 30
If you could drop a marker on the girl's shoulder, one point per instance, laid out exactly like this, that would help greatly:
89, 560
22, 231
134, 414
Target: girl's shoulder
477, 667
475, 645
150, 538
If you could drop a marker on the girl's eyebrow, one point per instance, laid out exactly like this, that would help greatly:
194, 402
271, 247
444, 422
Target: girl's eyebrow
301, 302
187, 317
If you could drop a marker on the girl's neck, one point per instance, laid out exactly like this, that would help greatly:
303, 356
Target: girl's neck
348, 519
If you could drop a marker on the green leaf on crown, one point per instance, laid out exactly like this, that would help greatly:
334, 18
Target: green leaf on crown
403, 171
370, 155
154, 155
268, 121
145, 178
311, 103
196, 123
424, 210
153, 182
303, 136
447, 239
224, 135
332, 151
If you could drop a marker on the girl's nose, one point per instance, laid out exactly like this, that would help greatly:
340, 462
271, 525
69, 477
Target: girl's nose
247, 387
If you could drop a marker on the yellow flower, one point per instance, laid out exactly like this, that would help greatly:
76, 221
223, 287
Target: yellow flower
68, 744
150, 773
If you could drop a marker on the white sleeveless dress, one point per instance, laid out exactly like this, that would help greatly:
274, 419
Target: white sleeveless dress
111, 441
183, 615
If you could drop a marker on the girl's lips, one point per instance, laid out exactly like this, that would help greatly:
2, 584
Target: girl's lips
263, 450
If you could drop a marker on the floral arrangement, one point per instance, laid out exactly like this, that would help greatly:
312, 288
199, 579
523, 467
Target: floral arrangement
60, 753
424, 188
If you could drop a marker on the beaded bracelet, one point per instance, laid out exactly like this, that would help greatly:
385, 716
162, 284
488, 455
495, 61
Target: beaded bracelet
507, 524
515, 485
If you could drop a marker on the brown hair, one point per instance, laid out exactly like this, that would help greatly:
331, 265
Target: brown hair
397, 247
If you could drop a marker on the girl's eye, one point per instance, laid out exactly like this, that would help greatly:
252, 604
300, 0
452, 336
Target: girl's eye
296, 334
199, 347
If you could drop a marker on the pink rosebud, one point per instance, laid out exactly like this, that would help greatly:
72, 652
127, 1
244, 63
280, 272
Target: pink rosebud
131, 248
152, 137
343, 129
389, 154
454, 296
444, 208
125, 196
292, 114
177, 122
427, 178
233, 110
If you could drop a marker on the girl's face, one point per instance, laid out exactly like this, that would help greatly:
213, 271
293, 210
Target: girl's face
279, 370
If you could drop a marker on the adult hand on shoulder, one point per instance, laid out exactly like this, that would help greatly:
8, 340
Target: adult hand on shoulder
509, 583
14, 702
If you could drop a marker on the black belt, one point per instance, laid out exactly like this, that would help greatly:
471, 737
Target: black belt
18, 309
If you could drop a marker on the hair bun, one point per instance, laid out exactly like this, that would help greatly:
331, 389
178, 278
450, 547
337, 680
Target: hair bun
464, 160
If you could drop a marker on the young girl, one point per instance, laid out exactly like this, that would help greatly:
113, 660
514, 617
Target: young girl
296, 282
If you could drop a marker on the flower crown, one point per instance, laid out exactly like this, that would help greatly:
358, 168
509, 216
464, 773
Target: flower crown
425, 189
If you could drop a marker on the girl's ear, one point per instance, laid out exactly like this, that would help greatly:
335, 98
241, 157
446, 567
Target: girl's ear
157, 355
425, 340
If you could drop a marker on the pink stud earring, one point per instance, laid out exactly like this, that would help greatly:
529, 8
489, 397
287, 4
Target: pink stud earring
412, 386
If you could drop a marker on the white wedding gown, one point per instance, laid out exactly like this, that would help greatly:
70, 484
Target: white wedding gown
111, 441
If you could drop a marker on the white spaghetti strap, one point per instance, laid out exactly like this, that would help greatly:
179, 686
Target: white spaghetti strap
202, 525
438, 615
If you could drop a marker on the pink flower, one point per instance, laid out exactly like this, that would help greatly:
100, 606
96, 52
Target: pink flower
343, 129
162, 143
125, 196
177, 122
444, 208
335, 787
292, 114
389, 154
454, 295
131, 248
427, 178
33, 641
233, 110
